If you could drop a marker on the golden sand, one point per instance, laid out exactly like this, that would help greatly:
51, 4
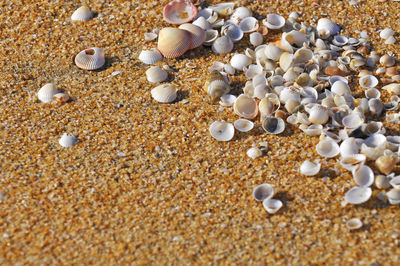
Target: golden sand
146, 182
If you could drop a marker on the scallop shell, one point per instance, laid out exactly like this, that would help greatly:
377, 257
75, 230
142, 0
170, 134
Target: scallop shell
353, 161
222, 45
240, 61
82, 14
150, 57
274, 21
354, 224
368, 81
256, 38
394, 196
243, 125
179, 11
90, 59
254, 153
156, 74
272, 205
327, 148
222, 131
67, 140
173, 42
46, 93
273, 125
245, 106
249, 24
198, 34
263, 192
386, 163
358, 195
363, 176
164, 93
309, 168
233, 32
227, 100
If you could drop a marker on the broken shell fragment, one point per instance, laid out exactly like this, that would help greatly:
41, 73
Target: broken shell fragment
272, 205
67, 140
358, 195
47, 92
61, 98
263, 191
150, 57
173, 42
222, 131
164, 93
211, 36
82, 14
243, 125
156, 74
309, 168
273, 125
90, 59
354, 224
254, 153
245, 106
179, 11
328, 148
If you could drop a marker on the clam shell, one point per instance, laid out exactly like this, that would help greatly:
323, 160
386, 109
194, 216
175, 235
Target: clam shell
339, 40
218, 88
222, 131
363, 176
256, 38
90, 59
273, 125
233, 32
353, 161
269, 104
227, 100
179, 11
46, 93
393, 142
387, 60
223, 8
291, 40
382, 182
302, 55
286, 61
254, 153
241, 13
229, 69
67, 140
156, 74
352, 121
318, 114
164, 93
252, 71
395, 182
243, 125
375, 106
392, 88
245, 106
372, 93
273, 52
327, 148
263, 192
289, 93
309, 168
82, 14
274, 21
358, 195
354, 224
150, 36
198, 34
386, 33
173, 42
150, 57
311, 130
386, 163
340, 88
222, 45
202, 23
394, 196
249, 24
240, 61
368, 81
272, 205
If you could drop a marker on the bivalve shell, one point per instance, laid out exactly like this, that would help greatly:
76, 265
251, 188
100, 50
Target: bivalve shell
90, 59
174, 42
352, 162
249, 24
256, 38
394, 196
245, 106
368, 81
198, 34
254, 153
222, 45
241, 13
233, 32
358, 195
392, 88
179, 11
395, 182
328, 148
150, 57
156, 74
340, 88
274, 21
326, 28
354, 224
222, 131
382, 181
273, 125
243, 125
240, 61
318, 114
273, 52
309, 168
67, 140
386, 33
227, 100
46, 93
386, 163
387, 61
164, 93
263, 191
82, 14
272, 205
363, 176
352, 121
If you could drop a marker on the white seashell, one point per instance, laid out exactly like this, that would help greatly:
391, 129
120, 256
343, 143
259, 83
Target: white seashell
309, 168
150, 57
326, 28
67, 140
368, 81
382, 181
150, 36
286, 61
82, 14
202, 23
372, 93
387, 61
227, 100
387, 162
222, 45
394, 196
248, 24
353, 161
289, 93
243, 125
386, 33
354, 224
375, 106
272, 205
274, 21
358, 195
292, 119
294, 15
363, 176
223, 8
206, 13
393, 143
311, 130
245, 106
263, 192
198, 34
233, 32
292, 40
390, 40
276, 81
46, 93
90, 59
250, 53
241, 13
273, 125
240, 61
269, 104
392, 88
339, 40
254, 70
211, 36
352, 121
327, 148
303, 55
156, 74
318, 114
256, 38
372, 153
395, 182
273, 52
340, 88
164, 93
260, 91
219, 66
229, 69
254, 153
375, 140
222, 131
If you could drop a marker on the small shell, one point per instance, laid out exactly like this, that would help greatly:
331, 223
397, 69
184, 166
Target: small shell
82, 14
243, 125
150, 57
233, 32
292, 40
156, 74
309, 168
256, 38
395, 182
368, 81
263, 192
386, 33
392, 88
269, 104
273, 125
150, 36
254, 70
387, 60
216, 85
227, 100
272, 205
340, 40
240, 61
202, 23
274, 21
249, 24
179, 11
326, 28
318, 114
352, 121
354, 224
222, 45
363, 176
393, 142
340, 88
47, 92
67, 140
222, 131
164, 93
61, 98
327, 148
273, 52
372, 93
358, 195
223, 9
173, 42
286, 61
352, 162
375, 106
241, 13
302, 55
90, 59
245, 106
390, 40
311, 130
394, 196
254, 153
198, 34
386, 163
382, 181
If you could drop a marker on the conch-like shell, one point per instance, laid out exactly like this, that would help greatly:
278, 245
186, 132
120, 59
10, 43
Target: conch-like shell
179, 11
90, 59
174, 42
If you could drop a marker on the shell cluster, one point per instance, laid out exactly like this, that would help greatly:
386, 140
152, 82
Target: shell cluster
264, 193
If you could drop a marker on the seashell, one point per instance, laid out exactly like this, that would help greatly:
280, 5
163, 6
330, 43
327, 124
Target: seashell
222, 131
387, 60
254, 153
302, 55
393, 118
61, 98
375, 106
333, 79
311, 130
67, 140
340, 40
354, 224
241, 13
173, 42
358, 195
373, 127
90, 59
245, 106
216, 85
219, 66
256, 38
211, 36
326, 28
179, 11
243, 125
250, 53
344, 60
363, 176
273, 125
393, 143
386, 33
352, 162
392, 71
82, 14
393, 196
269, 104
263, 192
240, 61
395, 182
222, 45
334, 71
206, 13
260, 91
286, 61
229, 69
150, 36
292, 39
227, 100
47, 92
340, 88
294, 16
273, 52
276, 81
392, 88
386, 163
274, 21
382, 182
318, 114
198, 34
327, 148
372, 93
156, 74
254, 70
150, 57
248, 24
272, 205
292, 119
368, 81
164, 93
309, 168
289, 93
352, 121
390, 40
202, 23
375, 140
223, 9
233, 32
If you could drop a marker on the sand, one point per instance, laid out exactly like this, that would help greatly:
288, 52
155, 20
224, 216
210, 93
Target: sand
146, 183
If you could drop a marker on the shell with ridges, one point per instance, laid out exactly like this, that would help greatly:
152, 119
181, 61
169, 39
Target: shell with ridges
90, 59
179, 11
150, 57
46, 93
164, 93
198, 34
173, 42
82, 14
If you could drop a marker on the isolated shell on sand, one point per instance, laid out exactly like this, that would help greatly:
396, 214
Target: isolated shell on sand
82, 14
327, 148
272, 205
222, 45
245, 106
354, 224
309, 168
173, 42
254, 153
46, 93
386, 33
90, 59
156, 74
274, 21
243, 125
67, 140
179, 11
263, 191
358, 195
363, 176
273, 125
198, 34
164, 93
150, 57
222, 131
